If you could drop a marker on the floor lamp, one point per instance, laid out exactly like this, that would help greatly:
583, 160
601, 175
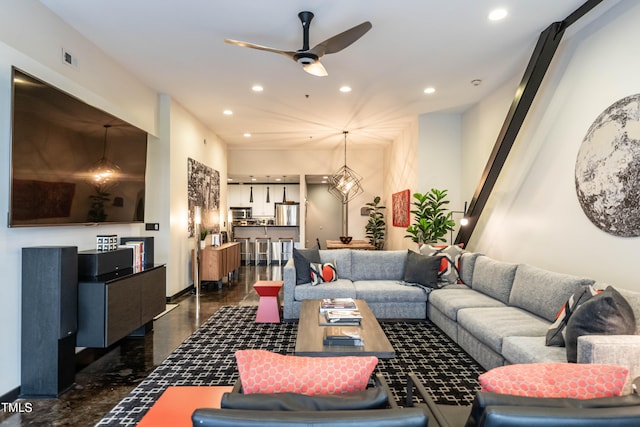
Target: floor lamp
463, 221
197, 220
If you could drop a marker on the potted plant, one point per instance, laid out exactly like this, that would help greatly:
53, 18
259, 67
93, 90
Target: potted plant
203, 236
432, 220
376, 225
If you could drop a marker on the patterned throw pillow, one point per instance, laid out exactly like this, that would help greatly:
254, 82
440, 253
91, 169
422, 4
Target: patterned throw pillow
578, 381
262, 371
321, 273
449, 265
558, 329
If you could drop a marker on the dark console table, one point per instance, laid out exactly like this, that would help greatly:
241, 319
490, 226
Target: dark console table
113, 305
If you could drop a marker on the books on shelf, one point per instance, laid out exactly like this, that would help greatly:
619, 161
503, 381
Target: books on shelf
339, 335
337, 304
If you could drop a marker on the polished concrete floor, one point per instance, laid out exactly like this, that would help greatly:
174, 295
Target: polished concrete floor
104, 378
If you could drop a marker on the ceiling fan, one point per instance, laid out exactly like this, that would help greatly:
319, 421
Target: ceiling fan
310, 58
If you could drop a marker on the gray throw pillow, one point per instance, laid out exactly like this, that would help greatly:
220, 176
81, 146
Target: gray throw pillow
302, 259
607, 313
422, 269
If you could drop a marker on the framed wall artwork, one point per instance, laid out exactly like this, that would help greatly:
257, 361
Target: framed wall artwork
400, 208
203, 190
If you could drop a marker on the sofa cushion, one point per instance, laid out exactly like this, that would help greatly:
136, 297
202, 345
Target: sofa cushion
557, 330
377, 265
490, 325
262, 371
449, 271
517, 349
543, 292
302, 258
422, 269
450, 300
607, 313
565, 380
341, 288
633, 298
467, 264
341, 258
493, 278
388, 291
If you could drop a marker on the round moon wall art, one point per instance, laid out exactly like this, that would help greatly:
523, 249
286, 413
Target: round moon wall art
608, 169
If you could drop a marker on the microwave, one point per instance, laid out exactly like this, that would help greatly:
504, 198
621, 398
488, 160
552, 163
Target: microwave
239, 213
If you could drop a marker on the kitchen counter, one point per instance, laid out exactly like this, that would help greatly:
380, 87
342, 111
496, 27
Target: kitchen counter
273, 231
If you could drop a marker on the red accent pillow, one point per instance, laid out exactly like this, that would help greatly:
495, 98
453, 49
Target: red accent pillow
262, 371
577, 381
321, 273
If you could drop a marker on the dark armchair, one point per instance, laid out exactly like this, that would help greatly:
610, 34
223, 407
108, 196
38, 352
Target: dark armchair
502, 410
369, 408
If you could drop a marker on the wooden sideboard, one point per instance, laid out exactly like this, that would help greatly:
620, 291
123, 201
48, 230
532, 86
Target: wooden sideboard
217, 262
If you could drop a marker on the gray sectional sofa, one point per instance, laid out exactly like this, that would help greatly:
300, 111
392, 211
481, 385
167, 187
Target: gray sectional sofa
374, 276
500, 315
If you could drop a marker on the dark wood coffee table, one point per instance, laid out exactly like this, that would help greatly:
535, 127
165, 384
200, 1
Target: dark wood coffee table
311, 333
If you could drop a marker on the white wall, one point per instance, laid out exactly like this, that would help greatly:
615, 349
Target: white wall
401, 169
533, 214
31, 38
368, 163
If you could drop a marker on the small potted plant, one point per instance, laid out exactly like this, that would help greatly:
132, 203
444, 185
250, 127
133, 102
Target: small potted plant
203, 237
432, 220
376, 225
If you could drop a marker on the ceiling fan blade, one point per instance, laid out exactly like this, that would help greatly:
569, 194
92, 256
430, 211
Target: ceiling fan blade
342, 40
288, 54
317, 69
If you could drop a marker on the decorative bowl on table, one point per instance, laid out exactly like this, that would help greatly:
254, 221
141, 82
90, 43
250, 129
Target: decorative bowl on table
346, 239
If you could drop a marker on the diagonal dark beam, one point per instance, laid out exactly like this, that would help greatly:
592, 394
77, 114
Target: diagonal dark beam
534, 74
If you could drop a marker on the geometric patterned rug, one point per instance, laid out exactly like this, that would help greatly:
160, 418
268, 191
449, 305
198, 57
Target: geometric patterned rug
206, 358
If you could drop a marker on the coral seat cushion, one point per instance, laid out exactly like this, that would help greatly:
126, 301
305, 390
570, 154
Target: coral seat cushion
566, 380
262, 371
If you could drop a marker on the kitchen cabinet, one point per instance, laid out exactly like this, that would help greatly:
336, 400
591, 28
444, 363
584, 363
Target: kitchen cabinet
238, 195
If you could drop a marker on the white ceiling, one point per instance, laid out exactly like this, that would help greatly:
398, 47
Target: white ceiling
177, 48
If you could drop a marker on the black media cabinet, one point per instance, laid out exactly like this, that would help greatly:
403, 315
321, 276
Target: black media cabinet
114, 305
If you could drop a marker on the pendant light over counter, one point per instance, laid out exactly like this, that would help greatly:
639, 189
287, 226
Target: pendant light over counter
268, 200
345, 183
251, 192
284, 189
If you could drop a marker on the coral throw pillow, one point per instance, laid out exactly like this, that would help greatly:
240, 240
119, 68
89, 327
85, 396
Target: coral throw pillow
450, 262
262, 371
577, 381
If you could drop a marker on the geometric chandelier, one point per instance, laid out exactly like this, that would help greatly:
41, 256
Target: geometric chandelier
345, 183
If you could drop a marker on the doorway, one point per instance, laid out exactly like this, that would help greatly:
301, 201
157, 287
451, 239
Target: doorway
324, 215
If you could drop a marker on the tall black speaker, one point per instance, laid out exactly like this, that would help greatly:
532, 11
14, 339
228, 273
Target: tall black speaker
49, 319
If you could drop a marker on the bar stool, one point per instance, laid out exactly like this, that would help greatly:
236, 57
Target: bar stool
245, 249
286, 248
263, 248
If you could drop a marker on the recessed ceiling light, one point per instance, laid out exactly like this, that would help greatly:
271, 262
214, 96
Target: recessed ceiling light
345, 89
429, 90
246, 135
253, 179
497, 14
278, 179
227, 112
257, 88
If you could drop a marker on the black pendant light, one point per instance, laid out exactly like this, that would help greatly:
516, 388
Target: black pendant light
251, 193
268, 200
284, 190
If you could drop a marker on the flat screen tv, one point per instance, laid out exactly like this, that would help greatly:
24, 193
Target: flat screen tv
71, 163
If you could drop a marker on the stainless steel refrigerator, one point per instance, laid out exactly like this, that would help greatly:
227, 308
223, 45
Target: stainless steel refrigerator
287, 213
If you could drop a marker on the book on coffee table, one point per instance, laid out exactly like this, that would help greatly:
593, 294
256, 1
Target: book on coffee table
323, 321
337, 304
343, 316
338, 335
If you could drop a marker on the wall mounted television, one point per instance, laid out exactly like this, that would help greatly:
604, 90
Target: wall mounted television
71, 163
